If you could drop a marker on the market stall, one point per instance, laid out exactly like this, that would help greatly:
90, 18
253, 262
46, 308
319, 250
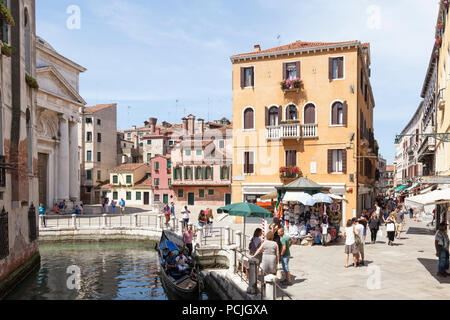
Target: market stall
310, 215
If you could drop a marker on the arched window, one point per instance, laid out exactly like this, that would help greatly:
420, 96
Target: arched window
208, 173
249, 119
291, 112
337, 114
27, 43
29, 142
310, 114
273, 117
198, 173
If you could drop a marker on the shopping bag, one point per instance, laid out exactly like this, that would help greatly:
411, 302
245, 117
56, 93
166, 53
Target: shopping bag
380, 234
390, 227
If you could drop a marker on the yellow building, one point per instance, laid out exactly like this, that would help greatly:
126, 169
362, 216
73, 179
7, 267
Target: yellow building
442, 50
320, 120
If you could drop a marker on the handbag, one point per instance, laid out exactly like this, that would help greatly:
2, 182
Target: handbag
390, 227
380, 234
357, 238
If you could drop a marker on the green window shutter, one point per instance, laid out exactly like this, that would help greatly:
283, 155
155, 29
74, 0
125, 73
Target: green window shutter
221, 173
203, 173
169, 164
156, 165
175, 174
228, 173
128, 195
89, 175
115, 195
170, 182
192, 169
201, 193
128, 179
115, 179
185, 173
138, 196
212, 173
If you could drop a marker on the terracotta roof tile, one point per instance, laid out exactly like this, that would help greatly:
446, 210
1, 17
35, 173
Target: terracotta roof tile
298, 45
128, 167
145, 182
99, 107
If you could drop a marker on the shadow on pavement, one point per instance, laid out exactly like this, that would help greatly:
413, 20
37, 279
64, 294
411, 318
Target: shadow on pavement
432, 267
420, 231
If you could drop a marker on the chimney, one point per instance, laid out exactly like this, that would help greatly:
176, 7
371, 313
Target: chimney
185, 125
152, 123
201, 123
136, 141
146, 123
134, 127
191, 124
257, 48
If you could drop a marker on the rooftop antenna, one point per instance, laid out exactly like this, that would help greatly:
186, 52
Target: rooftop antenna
278, 38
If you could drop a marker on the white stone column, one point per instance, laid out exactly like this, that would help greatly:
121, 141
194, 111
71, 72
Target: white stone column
63, 159
74, 164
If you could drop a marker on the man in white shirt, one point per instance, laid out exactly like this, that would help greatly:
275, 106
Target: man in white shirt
185, 214
360, 230
377, 210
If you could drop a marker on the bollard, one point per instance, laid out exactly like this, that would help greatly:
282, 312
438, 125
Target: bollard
253, 273
105, 220
74, 221
174, 224
41, 219
227, 236
232, 259
239, 240
159, 222
136, 224
199, 235
180, 225
271, 289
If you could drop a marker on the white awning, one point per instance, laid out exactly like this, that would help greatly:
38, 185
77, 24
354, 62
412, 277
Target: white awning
336, 197
297, 196
430, 198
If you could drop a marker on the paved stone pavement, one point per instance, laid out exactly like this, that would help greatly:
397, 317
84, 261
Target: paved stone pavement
406, 270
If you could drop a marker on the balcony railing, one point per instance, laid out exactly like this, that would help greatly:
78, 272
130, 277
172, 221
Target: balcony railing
292, 131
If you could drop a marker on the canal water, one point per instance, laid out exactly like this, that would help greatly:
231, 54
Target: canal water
108, 271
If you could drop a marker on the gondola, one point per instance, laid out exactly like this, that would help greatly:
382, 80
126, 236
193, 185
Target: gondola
184, 286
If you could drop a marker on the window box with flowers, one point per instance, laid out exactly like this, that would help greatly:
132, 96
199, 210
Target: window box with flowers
291, 84
290, 173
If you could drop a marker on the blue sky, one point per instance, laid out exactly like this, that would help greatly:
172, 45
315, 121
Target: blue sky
146, 55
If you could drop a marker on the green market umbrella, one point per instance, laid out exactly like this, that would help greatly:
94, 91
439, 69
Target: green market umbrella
245, 210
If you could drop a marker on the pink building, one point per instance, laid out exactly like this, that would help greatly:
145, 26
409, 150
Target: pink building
161, 175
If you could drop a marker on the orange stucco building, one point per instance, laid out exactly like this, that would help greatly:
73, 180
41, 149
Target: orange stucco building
305, 108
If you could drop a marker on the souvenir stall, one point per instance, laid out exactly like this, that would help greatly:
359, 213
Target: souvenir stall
310, 217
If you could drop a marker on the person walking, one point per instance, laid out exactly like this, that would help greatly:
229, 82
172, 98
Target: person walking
390, 229
350, 244
166, 211
274, 227
209, 222
411, 213
374, 226
202, 219
359, 231
255, 243
122, 206
185, 217
113, 207
187, 239
441, 243
377, 210
270, 254
106, 205
42, 214
285, 255
172, 210
399, 222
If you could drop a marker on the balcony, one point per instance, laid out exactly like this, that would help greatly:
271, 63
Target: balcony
292, 130
290, 173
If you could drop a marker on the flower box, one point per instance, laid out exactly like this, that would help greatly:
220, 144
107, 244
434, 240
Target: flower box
291, 84
290, 172
6, 50
5, 15
31, 82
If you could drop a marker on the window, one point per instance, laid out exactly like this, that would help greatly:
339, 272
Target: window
247, 77
337, 161
99, 122
157, 166
115, 180
198, 152
169, 181
309, 114
156, 181
211, 192
188, 173
4, 28
338, 114
336, 66
221, 144
170, 143
138, 196
291, 158
249, 119
99, 137
89, 156
115, 195
249, 161
157, 197
88, 136
88, 120
149, 142
201, 193
141, 144
291, 112
128, 195
149, 157
99, 175
198, 173
99, 157
188, 153
169, 164
180, 193
274, 117
291, 70
88, 174
149, 175
209, 174
129, 179
224, 173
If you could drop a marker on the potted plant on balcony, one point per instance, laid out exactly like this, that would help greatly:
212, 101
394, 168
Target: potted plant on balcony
6, 50
290, 84
289, 172
31, 82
